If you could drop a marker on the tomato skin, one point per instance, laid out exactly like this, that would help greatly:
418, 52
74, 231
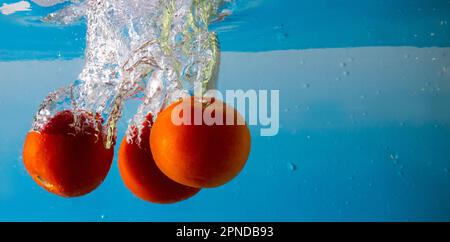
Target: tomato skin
200, 155
141, 175
66, 161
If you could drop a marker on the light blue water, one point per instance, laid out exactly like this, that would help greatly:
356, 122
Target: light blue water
365, 115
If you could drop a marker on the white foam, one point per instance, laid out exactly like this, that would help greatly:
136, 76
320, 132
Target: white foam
48, 3
8, 9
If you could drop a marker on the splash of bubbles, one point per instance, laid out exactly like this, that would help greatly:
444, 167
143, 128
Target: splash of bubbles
154, 50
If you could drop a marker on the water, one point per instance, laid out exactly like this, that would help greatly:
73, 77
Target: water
152, 50
364, 140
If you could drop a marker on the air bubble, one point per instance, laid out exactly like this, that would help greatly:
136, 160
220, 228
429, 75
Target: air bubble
292, 167
394, 157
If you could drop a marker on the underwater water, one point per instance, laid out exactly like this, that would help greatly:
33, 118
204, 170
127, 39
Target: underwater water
364, 114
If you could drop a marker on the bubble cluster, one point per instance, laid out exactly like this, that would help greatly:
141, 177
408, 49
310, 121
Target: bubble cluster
154, 50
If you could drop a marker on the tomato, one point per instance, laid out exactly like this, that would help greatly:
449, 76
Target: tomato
67, 159
203, 155
141, 175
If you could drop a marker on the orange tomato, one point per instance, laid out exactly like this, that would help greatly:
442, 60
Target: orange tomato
66, 160
201, 155
141, 175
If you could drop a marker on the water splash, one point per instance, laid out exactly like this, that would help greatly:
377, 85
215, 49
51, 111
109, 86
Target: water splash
154, 50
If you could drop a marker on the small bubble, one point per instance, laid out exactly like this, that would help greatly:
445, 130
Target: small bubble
432, 34
394, 158
342, 64
286, 110
102, 216
416, 35
364, 114
362, 96
443, 22
400, 173
280, 26
346, 73
406, 56
306, 85
292, 166
378, 92
308, 137
347, 203
351, 59
282, 36
434, 59
302, 62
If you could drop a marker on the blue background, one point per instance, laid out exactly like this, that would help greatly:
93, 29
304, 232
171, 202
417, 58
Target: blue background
364, 113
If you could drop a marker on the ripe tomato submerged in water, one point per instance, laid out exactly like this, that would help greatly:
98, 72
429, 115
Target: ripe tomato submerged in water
141, 175
66, 159
202, 155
